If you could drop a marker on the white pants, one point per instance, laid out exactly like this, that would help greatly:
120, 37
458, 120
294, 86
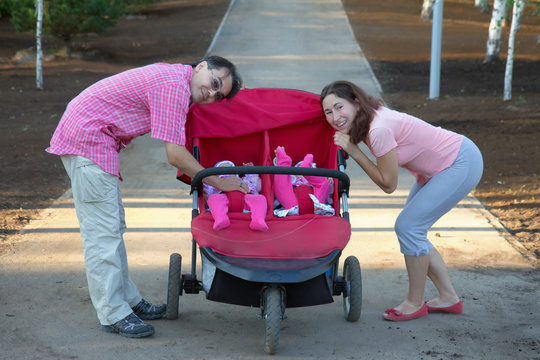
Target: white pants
100, 211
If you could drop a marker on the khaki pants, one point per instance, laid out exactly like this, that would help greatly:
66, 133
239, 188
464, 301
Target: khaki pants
100, 211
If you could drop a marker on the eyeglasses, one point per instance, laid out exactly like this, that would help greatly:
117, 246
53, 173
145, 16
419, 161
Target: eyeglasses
216, 85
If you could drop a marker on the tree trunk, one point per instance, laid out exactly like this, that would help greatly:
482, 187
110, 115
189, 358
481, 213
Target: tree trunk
427, 10
39, 51
516, 24
495, 27
483, 5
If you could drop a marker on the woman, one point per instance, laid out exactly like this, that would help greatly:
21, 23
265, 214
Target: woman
447, 167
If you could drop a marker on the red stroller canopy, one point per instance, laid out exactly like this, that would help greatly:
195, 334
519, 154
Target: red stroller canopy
248, 128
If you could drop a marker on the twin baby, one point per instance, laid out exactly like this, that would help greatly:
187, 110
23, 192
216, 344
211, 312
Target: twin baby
289, 200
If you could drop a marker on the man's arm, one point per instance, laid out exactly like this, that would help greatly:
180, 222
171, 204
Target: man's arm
179, 157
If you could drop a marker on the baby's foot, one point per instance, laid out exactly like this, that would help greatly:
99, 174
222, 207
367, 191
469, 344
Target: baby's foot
282, 158
221, 223
258, 224
307, 162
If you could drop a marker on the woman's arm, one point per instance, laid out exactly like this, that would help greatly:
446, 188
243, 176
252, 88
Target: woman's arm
384, 173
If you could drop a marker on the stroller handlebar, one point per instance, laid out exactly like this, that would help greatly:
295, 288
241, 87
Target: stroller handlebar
196, 182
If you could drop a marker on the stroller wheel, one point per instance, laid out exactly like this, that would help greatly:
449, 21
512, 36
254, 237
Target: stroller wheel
272, 318
174, 287
352, 297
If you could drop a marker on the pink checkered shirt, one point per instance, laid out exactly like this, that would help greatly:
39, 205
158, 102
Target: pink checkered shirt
108, 115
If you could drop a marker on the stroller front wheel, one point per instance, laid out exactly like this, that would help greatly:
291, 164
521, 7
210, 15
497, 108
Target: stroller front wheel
272, 314
174, 287
352, 297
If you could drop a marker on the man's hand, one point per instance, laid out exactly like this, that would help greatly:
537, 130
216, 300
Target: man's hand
231, 183
179, 157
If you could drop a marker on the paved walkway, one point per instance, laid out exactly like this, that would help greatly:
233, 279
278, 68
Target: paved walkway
45, 308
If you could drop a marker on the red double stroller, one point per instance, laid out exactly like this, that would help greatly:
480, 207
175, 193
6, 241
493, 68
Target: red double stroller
295, 263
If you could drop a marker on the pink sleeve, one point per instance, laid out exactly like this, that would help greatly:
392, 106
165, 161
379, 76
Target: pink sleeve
381, 141
168, 110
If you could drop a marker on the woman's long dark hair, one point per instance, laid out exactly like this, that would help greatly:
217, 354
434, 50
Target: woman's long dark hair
355, 95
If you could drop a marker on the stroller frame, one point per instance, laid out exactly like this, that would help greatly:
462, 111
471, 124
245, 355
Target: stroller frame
271, 284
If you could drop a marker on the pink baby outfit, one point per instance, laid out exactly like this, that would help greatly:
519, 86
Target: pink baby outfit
421, 148
292, 191
220, 204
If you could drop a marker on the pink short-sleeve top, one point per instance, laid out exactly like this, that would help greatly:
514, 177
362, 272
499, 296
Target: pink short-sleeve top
421, 148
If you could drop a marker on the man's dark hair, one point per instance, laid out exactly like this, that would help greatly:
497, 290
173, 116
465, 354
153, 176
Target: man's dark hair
218, 62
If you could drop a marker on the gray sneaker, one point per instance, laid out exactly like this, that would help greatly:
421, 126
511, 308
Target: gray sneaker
131, 326
147, 311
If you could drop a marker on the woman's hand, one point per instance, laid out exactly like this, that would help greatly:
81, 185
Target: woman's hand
384, 172
344, 140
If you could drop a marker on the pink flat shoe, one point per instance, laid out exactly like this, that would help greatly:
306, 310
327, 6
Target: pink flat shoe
457, 308
396, 315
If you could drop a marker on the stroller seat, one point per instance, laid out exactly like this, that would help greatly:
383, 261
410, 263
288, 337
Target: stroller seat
296, 237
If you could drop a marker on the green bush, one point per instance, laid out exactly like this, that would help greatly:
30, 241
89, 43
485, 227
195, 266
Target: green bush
23, 14
65, 18
5, 8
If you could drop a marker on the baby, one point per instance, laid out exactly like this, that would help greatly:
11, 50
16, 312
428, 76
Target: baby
221, 203
300, 194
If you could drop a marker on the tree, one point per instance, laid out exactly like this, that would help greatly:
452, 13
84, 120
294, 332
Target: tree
39, 51
495, 26
5, 8
516, 24
483, 5
22, 14
65, 18
427, 10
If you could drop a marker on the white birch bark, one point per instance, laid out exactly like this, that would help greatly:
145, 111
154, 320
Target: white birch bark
427, 10
514, 28
495, 26
483, 5
39, 50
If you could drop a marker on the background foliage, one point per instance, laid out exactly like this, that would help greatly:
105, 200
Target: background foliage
65, 18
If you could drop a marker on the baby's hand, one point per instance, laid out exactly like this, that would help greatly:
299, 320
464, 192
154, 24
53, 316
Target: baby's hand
248, 164
279, 147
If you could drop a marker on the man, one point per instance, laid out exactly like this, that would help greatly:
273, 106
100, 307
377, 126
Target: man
96, 125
